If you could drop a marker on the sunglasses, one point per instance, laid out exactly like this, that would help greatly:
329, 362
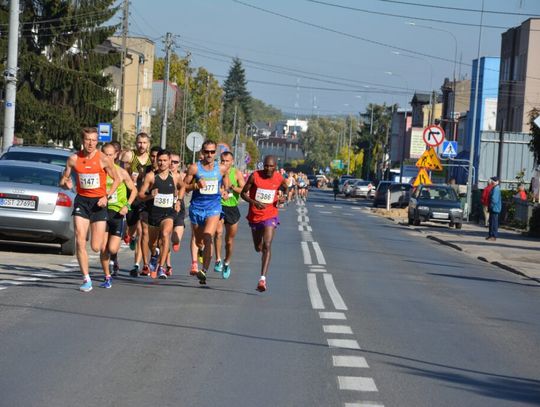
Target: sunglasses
175, 162
209, 151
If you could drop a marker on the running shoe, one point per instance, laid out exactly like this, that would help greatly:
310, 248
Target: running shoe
86, 285
218, 268
261, 286
194, 268
107, 283
168, 271
200, 256
133, 243
134, 272
145, 270
161, 274
127, 238
115, 268
154, 273
226, 271
176, 247
201, 275
153, 262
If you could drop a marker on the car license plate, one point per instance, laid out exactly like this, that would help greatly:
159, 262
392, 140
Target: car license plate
18, 203
440, 215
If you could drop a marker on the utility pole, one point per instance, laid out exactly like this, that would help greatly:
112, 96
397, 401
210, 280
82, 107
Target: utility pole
10, 75
349, 149
164, 107
206, 104
184, 110
125, 29
234, 133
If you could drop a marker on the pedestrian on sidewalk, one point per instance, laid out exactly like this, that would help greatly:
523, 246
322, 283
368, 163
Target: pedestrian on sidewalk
495, 206
484, 200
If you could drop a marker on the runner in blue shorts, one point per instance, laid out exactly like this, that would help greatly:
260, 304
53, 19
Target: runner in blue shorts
206, 179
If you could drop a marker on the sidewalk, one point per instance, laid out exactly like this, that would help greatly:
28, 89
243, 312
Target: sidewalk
511, 251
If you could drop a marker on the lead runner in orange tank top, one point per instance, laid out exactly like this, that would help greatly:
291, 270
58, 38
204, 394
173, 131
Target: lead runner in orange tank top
91, 168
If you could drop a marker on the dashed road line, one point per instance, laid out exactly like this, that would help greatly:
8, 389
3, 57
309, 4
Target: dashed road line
364, 404
335, 296
332, 315
305, 227
350, 361
27, 279
314, 293
318, 206
303, 219
326, 212
306, 253
337, 329
343, 343
318, 253
357, 383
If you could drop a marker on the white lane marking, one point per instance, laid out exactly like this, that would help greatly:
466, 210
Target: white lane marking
10, 282
3, 288
364, 404
305, 253
318, 270
318, 253
43, 275
314, 293
318, 206
27, 279
326, 212
303, 219
317, 266
301, 228
332, 315
337, 206
307, 237
339, 304
343, 343
347, 214
357, 207
356, 383
350, 361
337, 329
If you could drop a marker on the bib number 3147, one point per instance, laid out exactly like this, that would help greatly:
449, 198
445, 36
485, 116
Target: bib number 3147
265, 196
89, 181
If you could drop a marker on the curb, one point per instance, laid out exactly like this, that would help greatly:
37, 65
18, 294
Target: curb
444, 242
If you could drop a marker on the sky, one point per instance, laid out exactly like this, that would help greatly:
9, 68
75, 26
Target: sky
332, 57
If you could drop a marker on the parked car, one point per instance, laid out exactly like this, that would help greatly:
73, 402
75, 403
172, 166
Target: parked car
42, 154
398, 194
312, 180
362, 189
342, 181
33, 208
435, 203
348, 186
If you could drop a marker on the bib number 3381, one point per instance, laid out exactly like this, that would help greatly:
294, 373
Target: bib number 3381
265, 196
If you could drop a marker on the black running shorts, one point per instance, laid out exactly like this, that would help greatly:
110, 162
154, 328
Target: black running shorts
88, 208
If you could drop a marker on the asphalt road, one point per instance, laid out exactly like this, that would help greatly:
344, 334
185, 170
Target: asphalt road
358, 312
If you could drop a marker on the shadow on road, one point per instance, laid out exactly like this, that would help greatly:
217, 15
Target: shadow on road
487, 280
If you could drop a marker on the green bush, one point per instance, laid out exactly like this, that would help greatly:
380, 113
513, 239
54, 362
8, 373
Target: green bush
534, 222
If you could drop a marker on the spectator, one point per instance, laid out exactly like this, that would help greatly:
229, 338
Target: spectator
484, 200
521, 194
495, 206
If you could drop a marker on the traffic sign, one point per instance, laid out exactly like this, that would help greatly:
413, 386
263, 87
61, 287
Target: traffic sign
449, 149
433, 135
422, 178
194, 141
537, 121
104, 132
430, 160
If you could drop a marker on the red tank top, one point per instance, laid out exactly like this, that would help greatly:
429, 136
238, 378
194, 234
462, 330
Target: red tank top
264, 190
91, 178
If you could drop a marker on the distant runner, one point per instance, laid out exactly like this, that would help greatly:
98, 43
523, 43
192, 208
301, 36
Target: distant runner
261, 192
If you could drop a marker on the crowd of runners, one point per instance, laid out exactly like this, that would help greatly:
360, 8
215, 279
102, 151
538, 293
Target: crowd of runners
138, 196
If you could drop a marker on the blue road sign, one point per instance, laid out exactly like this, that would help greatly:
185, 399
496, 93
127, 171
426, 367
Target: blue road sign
449, 149
104, 132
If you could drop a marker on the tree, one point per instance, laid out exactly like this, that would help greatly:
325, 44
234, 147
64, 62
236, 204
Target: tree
236, 97
61, 86
534, 144
261, 112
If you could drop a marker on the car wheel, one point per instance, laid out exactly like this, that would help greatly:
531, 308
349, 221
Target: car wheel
410, 221
458, 225
451, 224
68, 247
416, 221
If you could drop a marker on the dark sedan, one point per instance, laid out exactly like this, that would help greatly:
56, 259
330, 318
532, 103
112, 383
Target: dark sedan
435, 203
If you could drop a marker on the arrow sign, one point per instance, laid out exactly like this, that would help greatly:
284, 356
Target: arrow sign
422, 178
449, 149
537, 121
429, 160
433, 135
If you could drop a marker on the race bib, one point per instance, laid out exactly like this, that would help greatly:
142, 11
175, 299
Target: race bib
164, 200
113, 198
211, 187
89, 181
265, 196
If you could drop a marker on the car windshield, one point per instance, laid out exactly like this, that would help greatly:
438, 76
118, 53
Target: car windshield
362, 183
47, 158
24, 175
440, 193
383, 187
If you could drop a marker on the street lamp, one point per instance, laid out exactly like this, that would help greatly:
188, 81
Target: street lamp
428, 27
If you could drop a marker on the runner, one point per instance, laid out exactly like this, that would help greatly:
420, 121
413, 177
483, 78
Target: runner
178, 224
91, 168
136, 162
117, 207
230, 215
261, 192
161, 189
205, 207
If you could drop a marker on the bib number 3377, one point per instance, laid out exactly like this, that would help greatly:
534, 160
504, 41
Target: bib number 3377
211, 187
265, 196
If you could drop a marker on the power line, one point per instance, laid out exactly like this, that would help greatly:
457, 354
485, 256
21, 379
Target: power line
403, 16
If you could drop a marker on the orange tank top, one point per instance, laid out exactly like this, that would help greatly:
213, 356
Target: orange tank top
91, 178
